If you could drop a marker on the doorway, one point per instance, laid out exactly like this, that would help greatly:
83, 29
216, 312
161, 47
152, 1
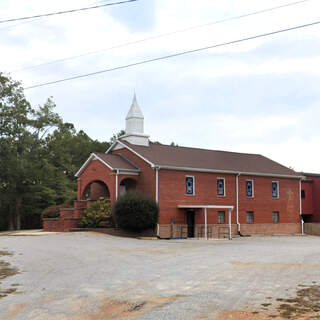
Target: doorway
190, 223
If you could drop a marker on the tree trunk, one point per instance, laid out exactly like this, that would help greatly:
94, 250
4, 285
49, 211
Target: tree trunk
10, 220
18, 213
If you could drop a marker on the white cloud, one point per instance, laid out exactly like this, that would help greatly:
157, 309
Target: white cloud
258, 96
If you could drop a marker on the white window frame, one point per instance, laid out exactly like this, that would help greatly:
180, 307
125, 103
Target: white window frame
224, 187
193, 185
252, 188
278, 188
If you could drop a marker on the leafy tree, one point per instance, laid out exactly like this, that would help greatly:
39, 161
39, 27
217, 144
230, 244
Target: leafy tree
22, 165
39, 155
116, 136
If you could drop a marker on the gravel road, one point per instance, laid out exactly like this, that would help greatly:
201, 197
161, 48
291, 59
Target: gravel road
91, 276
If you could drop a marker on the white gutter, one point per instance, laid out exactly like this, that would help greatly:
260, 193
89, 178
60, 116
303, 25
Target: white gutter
300, 209
157, 183
237, 201
117, 182
157, 195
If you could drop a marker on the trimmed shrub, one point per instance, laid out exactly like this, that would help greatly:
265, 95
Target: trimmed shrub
54, 211
136, 212
99, 214
51, 212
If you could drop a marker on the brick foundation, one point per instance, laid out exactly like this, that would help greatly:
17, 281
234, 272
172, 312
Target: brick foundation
167, 231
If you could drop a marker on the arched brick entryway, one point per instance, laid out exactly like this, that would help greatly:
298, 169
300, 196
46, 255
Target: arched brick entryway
96, 190
127, 185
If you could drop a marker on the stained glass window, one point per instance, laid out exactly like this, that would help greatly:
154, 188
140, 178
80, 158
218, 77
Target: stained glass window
249, 188
220, 187
275, 189
189, 185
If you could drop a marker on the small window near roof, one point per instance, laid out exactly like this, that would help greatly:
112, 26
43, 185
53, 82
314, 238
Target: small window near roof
275, 216
275, 189
221, 217
189, 185
303, 194
220, 186
249, 216
249, 188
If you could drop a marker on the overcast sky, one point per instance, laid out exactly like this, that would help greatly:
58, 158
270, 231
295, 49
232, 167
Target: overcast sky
260, 96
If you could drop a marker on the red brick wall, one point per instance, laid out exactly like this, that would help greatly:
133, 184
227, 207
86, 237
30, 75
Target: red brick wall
96, 170
307, 202
146, 179
262, 204
98, 190
172, 194
51, 225
316, 199
312, 201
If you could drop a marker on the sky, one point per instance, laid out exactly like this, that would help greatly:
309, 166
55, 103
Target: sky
259, 96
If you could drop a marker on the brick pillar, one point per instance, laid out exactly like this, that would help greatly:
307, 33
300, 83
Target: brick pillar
79, 189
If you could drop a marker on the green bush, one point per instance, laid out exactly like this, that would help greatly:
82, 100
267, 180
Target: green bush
54, 211
99, 214
51, 212
136, 212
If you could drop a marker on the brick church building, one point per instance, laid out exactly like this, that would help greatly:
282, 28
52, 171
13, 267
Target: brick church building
201, 193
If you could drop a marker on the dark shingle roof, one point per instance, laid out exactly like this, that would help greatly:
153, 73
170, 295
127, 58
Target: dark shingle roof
164, 155
116, 161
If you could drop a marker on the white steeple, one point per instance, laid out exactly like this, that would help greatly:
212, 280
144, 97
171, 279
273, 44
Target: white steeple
135, 118
135, 125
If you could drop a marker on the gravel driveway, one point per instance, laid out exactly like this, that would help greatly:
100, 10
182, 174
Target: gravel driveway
91, 276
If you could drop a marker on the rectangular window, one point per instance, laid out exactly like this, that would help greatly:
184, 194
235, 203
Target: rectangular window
220, 187
303, 194
249, 216
249, 188
275, 189
221, 217
190, 185
275, 216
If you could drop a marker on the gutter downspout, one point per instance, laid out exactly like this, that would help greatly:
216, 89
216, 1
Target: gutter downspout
300, 209
157, 195
237, 202
117, 182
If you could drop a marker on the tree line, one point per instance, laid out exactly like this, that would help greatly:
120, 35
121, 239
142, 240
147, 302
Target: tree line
39, 156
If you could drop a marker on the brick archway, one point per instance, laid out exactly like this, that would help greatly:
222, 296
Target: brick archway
127, 185
96, 190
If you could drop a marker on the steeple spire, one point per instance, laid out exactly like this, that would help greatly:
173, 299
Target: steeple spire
135, 125
133, 115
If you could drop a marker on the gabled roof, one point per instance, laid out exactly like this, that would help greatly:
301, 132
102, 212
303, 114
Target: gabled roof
209, 160
112, 161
